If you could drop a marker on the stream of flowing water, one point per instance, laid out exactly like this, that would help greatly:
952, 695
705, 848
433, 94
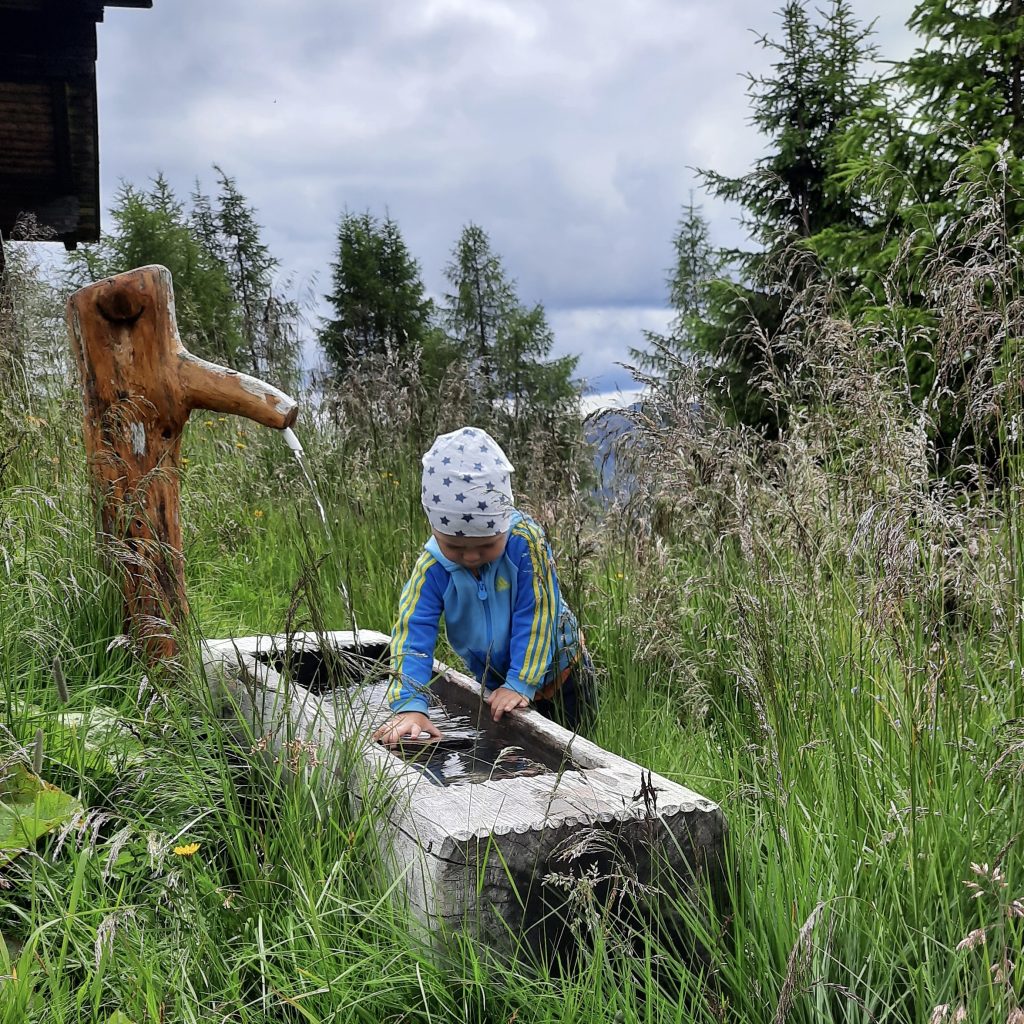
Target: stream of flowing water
300, 457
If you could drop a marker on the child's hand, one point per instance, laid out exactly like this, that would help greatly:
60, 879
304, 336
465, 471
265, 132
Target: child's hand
407, 725
504, 700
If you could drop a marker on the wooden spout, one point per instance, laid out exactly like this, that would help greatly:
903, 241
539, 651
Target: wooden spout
139, 385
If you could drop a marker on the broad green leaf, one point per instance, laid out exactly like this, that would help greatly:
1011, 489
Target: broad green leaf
29, 808
98, 737
103, 736
117, 1017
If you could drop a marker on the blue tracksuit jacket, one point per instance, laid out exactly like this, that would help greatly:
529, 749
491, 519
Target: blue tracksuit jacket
509, 625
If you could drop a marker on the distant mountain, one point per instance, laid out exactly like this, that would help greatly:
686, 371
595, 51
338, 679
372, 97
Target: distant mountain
605, 431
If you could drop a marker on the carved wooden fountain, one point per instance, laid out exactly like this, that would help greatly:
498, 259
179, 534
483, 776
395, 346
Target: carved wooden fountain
139, 385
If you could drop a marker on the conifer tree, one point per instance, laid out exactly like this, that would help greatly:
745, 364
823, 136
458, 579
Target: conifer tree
377, 295
481, 303
505, 345
967, 80
950, 128
697, 264
269, 320
819, 79
955, 106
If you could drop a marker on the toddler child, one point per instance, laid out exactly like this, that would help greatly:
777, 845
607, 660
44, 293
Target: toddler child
488, 570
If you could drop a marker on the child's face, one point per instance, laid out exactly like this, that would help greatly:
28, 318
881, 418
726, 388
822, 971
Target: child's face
472, 552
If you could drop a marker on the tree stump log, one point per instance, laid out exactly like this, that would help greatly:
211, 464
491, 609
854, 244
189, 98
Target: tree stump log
139, 385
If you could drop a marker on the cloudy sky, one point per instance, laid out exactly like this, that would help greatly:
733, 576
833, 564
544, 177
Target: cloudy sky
568, 129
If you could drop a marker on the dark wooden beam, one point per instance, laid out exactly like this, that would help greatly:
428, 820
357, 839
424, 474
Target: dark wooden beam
62, 136
48, 120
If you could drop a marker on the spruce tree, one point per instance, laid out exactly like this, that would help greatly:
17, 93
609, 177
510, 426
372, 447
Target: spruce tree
967, 80
949, 131
377, 295
819, 79
955, 109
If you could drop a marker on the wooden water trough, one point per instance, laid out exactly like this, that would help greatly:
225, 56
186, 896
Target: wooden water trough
498, 829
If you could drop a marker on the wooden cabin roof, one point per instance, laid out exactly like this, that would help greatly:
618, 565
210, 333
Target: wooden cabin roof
49, 155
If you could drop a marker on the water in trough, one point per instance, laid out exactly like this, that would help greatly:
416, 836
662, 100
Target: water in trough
471, 749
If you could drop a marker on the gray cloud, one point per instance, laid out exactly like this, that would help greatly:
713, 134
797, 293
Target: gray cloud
567, 130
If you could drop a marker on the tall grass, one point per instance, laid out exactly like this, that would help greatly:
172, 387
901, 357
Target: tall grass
818, 633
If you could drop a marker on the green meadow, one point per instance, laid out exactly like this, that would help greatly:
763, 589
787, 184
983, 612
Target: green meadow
861, 730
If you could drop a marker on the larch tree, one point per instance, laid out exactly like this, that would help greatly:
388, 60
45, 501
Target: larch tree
697, 263
506, 346
154, 227
269, 319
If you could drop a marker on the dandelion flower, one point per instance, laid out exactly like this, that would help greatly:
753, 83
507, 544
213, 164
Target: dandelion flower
187, 850
208, 423
258, 513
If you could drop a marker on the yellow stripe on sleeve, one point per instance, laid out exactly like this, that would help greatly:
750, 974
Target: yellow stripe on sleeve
537, 649
406, 606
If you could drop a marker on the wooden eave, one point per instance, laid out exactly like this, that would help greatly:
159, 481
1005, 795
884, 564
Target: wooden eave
49, 154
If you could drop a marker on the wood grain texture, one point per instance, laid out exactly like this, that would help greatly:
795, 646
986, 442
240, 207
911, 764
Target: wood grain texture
139, 386
494, 857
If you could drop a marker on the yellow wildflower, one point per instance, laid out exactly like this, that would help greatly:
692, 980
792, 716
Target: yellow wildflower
619, 576
187, 850
238, 444
258, 514
184, 462
208, 423
222, 419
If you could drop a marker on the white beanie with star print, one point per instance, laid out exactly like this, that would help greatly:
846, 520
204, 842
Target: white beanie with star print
467, 484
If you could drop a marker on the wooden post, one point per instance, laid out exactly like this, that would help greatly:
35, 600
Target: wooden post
139, 385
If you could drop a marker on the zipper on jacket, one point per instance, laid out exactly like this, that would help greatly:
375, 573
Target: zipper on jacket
481, 591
